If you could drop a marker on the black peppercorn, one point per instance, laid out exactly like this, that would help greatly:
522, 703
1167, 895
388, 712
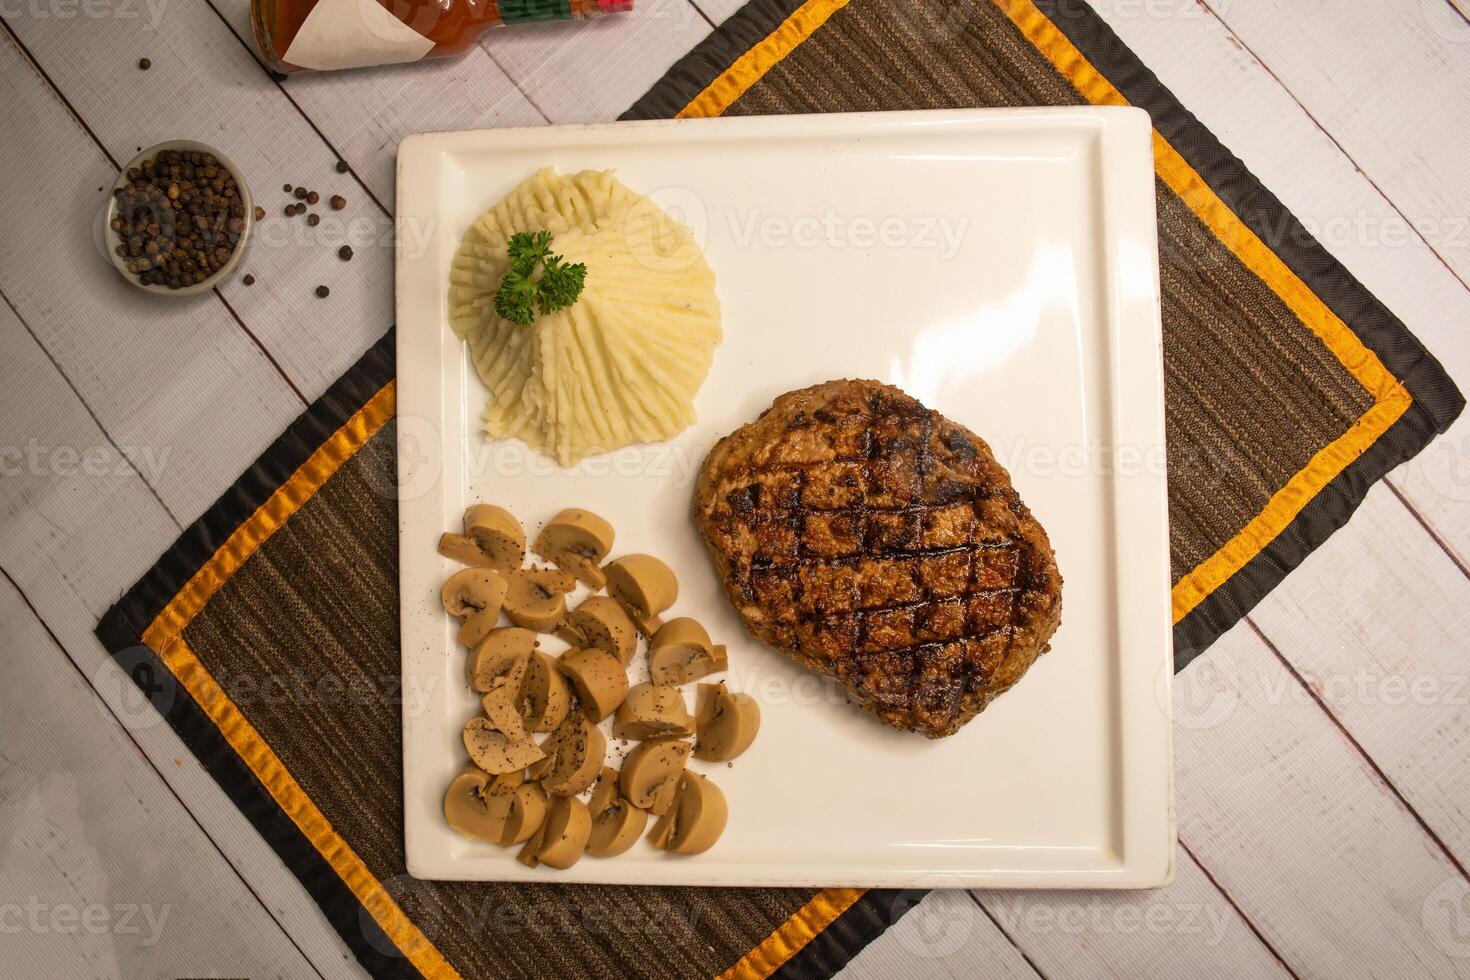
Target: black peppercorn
144, 64
249, 280
322, 292
313, 220
312, 197
341, 166
338, 202
300, 193
345, 253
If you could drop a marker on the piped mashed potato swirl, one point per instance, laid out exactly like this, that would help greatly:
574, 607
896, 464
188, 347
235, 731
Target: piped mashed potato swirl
621, 365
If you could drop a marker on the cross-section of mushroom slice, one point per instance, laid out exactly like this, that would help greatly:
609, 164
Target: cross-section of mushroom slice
573, 757
650, 774
726, 723
460, 548
474, 595
496, 534
536, 597
645, 586
602, 622
499, 660
599, 679
616, 822
652, 711
696, 819
681, 652
504, 811
577, 541
500, 744
467, 805
546, 695
562, 837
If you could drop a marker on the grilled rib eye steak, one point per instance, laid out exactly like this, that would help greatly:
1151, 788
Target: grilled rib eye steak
876, 541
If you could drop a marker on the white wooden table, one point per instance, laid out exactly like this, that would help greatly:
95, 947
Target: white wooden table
1323, 745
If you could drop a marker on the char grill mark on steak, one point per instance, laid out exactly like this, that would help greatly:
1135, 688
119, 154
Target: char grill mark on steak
875, 540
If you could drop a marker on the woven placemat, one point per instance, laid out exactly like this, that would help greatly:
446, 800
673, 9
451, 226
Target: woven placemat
268, 634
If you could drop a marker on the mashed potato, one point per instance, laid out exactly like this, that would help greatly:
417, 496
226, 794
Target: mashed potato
620, 366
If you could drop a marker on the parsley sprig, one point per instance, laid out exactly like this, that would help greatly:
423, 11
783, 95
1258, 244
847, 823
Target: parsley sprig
522, 294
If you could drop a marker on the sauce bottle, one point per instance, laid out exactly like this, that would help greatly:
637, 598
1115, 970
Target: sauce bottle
321, 35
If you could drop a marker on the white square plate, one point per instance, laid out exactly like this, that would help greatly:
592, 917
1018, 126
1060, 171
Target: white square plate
999, 265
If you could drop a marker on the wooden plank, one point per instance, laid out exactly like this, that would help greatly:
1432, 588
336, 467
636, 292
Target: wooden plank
314, 340
1376, 621
1133, 935
945, 935
105, 873
175, 380
77, 527
592, 72
1278, 804
1233, 94
1391, 83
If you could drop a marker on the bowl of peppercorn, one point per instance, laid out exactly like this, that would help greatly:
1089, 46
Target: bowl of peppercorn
178, 219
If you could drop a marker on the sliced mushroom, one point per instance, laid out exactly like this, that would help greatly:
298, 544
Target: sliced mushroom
500, 744
616, 822
500, 658
519, 805
651, 774
475, 595
545, 694
695, 821
652, 711
473, 590
726, 723
467, 805
681, 652
497, 535
458, 547
600, 681
536, 598
562, 838
574, 754
504, 811
577, 541
645, 586
601, 622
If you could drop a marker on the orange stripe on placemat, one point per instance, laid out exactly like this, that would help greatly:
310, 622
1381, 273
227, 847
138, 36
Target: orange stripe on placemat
750, 66
1391, 398
165, 636
794, 933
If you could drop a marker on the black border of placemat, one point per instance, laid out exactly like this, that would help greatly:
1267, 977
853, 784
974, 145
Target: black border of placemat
1436, 400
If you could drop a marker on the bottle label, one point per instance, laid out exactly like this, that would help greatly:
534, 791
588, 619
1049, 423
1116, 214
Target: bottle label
354, 34
522, 11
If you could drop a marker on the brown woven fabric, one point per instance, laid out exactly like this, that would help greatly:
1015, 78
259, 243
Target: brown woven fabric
1252, 394
304, 639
